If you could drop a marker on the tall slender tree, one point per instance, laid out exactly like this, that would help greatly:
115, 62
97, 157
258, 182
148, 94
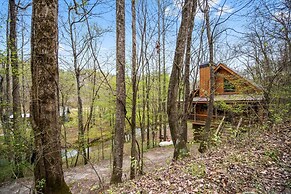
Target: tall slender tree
77, 53
80, 44
164, 93
187, 93
15, 91
158, 48
206, 134
1, 92
179, 60
133, 165
120, 93
7, 88
48, 172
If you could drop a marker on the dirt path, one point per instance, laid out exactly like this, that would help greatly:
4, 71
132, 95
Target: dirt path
83, 179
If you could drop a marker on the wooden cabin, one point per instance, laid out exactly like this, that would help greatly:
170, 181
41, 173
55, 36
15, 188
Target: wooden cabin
235, 97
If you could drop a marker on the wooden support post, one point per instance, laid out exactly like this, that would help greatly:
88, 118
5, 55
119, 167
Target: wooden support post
237, 127
219, 126
194, 110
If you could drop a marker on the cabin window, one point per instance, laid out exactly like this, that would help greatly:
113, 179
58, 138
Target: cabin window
228, 86
203, 107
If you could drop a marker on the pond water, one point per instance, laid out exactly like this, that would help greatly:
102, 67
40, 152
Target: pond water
71, 153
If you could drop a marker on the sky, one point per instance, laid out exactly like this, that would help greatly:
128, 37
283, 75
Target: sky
105, 18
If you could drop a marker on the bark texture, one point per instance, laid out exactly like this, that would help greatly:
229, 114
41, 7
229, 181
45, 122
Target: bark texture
134, 163
48, 172
7, 90
17, 143
206, 133
175, 78
120, 93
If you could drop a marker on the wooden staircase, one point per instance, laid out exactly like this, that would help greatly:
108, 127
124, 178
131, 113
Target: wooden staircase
226, 133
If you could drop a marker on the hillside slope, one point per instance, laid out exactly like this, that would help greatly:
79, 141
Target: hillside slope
259, 162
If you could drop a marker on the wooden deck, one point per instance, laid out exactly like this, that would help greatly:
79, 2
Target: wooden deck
198, 120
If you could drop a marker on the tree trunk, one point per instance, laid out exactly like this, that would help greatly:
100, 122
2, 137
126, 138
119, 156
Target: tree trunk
77, 69
206, 133
17, 143
143, 115
148, 127
164, 76
148, 79
64, 128
173, 114
1, 98
7, 90
48, 172
133, 164
120, 93
81, 131
158, 48
187, 99
24, 95
143, 107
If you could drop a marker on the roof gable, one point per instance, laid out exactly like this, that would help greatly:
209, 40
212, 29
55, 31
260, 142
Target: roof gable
231, 72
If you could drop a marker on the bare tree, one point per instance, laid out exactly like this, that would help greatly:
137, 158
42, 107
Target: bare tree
267, 50
78, 42
164, 92
206, 134
48, 172
158, 48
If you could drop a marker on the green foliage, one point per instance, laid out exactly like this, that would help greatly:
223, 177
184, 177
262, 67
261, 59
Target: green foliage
95, 188
183, 152
196, 169
134, 162
216, 140
222, 105
73, 121
95, 133
40, 184
237, 108
5, 169
236, 158
272, 154
288, 184
280, 109
16, 149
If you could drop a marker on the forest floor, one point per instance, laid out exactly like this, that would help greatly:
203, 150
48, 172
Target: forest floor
256, 162
86, 179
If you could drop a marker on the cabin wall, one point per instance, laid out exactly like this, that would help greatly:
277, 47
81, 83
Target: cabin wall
219, 81
220, 75
242, 86
204, 80
250, 112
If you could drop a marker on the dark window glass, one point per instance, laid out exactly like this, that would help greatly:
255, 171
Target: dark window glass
228, 86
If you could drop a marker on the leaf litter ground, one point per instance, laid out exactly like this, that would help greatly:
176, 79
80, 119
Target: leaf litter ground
259, 162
